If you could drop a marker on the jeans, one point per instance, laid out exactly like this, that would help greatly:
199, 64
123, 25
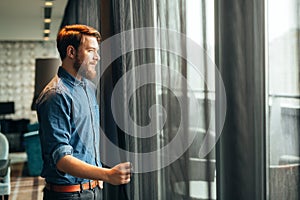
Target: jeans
94, 194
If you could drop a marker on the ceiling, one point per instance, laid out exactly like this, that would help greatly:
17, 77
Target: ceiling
24, 19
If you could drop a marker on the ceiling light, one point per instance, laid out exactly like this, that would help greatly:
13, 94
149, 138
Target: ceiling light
46, 31
48, 3
47, 20
46, 38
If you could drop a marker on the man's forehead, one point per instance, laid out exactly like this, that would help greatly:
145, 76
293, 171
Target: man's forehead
89, 41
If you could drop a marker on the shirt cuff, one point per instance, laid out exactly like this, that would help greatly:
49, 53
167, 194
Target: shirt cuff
61, 152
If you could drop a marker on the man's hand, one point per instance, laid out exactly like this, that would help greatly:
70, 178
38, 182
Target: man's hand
119, 174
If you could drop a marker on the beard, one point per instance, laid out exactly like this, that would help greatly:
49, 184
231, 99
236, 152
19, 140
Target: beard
84, 69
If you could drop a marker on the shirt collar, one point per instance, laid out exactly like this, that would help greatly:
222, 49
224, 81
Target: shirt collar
62, 73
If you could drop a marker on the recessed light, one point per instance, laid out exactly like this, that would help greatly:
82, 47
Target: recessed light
46, 38
48, 3
46, 31
47, 20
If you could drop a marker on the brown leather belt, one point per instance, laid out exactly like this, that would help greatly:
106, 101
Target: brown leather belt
72, 188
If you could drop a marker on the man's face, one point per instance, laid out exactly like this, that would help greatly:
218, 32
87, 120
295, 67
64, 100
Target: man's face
87, 57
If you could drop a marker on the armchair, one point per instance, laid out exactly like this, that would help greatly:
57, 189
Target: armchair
5, 180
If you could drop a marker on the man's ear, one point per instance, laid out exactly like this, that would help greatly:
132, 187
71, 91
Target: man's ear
71, 52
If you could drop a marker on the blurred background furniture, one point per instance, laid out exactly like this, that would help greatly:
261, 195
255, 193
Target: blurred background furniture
13, 129
34, 153
5, 180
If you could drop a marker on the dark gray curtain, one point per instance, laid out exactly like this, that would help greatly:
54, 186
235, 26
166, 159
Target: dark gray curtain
82, 12
169, 90
240, 57
127, 16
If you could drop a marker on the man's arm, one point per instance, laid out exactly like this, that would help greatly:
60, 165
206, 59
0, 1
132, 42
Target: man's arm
119, 174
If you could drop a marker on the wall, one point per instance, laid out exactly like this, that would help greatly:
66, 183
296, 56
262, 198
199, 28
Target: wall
17, 73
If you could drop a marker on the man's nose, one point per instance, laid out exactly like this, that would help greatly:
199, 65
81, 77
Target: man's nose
97, 56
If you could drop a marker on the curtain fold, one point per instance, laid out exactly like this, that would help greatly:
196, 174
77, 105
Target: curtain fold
171, 16
240, 57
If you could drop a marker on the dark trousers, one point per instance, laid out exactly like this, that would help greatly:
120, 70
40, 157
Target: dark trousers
93, 194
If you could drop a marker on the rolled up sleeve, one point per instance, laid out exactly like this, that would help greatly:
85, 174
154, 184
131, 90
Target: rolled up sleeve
61, 152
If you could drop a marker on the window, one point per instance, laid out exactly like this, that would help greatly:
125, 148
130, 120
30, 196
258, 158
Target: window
284, 98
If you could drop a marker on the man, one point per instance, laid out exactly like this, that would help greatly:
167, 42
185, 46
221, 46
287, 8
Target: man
69, 122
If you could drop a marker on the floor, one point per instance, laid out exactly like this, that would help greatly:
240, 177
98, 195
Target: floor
23, 186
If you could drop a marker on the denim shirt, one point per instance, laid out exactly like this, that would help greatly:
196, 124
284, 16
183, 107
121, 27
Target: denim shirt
68, 115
